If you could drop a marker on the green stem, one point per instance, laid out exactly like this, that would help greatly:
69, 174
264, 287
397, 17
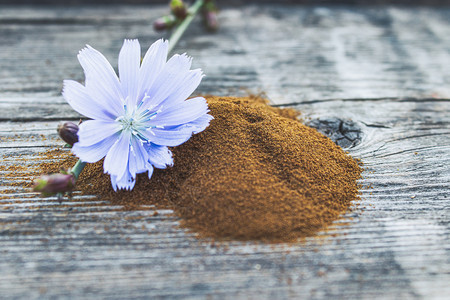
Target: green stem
176, 35
77, 168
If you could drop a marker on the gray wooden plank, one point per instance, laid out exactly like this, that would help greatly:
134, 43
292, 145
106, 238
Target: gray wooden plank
324, 53
349, 52
394, 245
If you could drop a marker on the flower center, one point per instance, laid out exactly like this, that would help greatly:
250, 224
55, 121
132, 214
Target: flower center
137, 121
127, 123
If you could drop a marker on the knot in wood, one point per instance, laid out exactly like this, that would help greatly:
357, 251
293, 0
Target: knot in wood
345, 133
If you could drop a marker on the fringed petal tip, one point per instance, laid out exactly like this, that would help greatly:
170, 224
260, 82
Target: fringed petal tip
125, 183
128, 181
130, 41
86, 48
160, 42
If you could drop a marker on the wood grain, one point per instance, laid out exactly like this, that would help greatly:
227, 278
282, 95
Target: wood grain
384, 69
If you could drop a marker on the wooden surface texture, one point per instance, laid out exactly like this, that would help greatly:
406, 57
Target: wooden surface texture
375, 79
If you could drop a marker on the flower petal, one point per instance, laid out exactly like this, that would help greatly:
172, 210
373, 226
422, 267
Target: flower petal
200, 124
95, 152
187, 111
102, 83
78, 98
150, 171
169, 80
171, 138
189, 83
137, 163
116, 161
138, 157
152, 64
129, 63
176, 135
126, 182
159, 156
93, 131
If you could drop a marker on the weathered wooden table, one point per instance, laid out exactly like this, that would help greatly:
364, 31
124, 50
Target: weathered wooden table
383, 69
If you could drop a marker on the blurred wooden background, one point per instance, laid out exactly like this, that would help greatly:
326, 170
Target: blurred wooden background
223, 3
376, 79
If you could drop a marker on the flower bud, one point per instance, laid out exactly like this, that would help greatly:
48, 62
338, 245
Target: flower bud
211, 20
68, 132
55, 183
178, 9
210, 16
164, 23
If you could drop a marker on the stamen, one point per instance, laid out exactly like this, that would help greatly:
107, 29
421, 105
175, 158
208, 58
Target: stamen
146, 97
136, 122
148, 116
141, 137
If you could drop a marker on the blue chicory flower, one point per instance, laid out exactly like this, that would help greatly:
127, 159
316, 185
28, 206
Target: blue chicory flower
135, 118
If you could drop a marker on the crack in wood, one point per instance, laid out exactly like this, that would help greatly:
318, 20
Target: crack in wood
396, 99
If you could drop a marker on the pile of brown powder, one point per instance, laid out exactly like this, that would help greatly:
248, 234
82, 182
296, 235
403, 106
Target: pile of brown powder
256, 173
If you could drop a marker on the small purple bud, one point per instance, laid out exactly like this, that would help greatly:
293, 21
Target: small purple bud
55, 183
211, 20
178, 9
164, 23
68, 132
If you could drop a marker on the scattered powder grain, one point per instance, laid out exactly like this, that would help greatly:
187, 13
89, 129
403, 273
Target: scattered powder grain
256, 173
